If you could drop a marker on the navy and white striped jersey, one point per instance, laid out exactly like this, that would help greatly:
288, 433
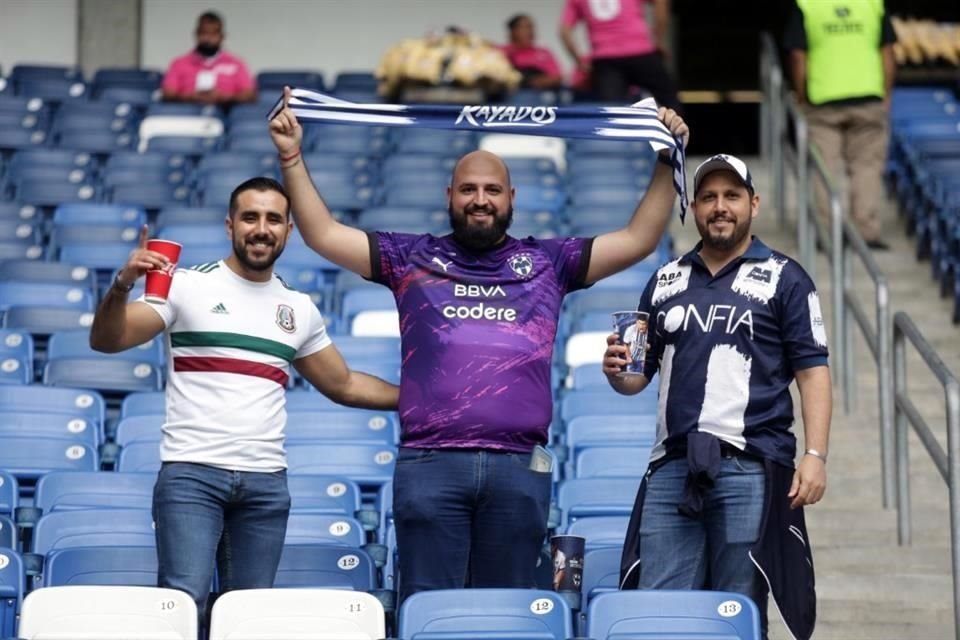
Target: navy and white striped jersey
727, 347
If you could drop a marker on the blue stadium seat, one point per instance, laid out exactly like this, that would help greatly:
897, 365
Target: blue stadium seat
411, 162
329, 159
355, 81
600, 531
8, 534
369, 465
102, 120
250, 164
195, 234
17, 211
191, 215
601, 572
390, 217
144, 403
64, 490
610, 430
83, 234
28, 458
23, 231
365, 299
275, 81
324, 528
102, 256
352, 425
92, 527
429, 198
204, 253
491, 614
76, 344
600, 196
40, 319
131, 95
31, 293
140, 457
183, 109
135, 160
21, 137
592, 497
323, 494
54, 173
9, 493
600, 164
104, 373
99, 214
622, 148
12, 589
50, 425
606, 402
151, 196
21, 251
354, 348
50, 193
95, 141
436, 141
139, 428
16, 356
612, 462
123, 565
325, 565
650, 615
125, 77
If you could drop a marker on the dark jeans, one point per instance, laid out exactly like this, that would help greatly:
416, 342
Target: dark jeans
612, 77
204, 514
468, 519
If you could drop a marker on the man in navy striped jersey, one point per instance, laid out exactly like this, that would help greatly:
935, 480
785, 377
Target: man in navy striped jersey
732, 324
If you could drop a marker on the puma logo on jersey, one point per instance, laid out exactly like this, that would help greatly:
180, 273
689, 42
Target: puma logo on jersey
443, 265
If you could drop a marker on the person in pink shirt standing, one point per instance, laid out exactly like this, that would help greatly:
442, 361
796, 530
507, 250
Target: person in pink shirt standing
538, 66
208, 74
623, 51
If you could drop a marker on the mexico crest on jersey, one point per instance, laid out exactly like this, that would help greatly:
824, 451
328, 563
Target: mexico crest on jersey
521, 264
286, 319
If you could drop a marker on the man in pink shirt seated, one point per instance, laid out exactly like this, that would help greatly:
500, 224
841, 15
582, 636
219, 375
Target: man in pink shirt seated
623, 51
208, 74
538, 66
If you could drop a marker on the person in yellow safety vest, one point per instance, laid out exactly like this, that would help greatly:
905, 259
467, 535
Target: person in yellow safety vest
842, 67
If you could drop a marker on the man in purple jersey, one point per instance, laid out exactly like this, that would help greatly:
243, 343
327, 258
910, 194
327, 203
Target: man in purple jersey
478, 316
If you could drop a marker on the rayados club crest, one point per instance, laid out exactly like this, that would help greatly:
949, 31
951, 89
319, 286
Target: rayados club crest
286, 319
521, 264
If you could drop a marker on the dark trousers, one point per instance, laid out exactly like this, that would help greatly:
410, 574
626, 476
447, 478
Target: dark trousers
612, 78
468, 519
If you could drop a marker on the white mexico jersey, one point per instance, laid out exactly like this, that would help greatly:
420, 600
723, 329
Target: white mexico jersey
231, 344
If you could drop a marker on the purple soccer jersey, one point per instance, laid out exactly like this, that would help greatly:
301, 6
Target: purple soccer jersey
477, 335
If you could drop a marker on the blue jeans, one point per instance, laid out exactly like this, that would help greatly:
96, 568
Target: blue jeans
205, 514
468, 519
677, 552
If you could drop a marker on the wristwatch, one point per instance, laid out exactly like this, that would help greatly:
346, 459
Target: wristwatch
816, 454
123, 288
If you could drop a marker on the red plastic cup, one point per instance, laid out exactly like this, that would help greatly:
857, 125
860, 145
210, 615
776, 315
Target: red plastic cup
158, 280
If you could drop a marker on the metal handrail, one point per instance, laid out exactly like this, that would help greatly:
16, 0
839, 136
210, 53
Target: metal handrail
947, 463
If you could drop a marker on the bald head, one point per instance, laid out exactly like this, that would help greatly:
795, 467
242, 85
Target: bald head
482, 162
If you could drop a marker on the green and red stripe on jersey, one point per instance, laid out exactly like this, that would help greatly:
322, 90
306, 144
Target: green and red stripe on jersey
221, 364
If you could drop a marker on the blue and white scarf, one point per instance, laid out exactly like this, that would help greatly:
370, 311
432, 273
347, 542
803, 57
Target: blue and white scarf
636, 122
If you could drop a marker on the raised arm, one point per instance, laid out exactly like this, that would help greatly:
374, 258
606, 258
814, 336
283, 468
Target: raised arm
617, 250
118, 326
328, 372
339, 243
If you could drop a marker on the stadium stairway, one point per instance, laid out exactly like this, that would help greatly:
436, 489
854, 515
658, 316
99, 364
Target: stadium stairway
869, 587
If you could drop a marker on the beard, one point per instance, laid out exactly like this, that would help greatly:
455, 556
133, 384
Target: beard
723, 242
479, 237
241, 251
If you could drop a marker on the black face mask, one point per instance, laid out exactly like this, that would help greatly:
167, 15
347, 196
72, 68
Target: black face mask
208, 50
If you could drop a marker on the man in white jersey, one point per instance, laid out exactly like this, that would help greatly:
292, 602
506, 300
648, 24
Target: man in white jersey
233, 331
732, 324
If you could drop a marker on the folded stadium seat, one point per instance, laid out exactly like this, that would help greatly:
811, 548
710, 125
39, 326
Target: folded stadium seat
20, 137
71, 174
8, 537
71, 490
536, 178
41, 320
141, 97
593, 497
105, 374
321, 614
180, 109
75, 402
600, 196
122, 565
413, 162
125, 77
191, 215
49, 294
580, 180
29, 457
599, 164
509, 146
377, 308
213, 165
17, 250
51, 193
17, 211
195, 234
601, 532
326, 494
346, 143
347, 425
195, 255
204, 130
9, 494
601, 574
606, 402
387, 218
618, 148
151, 196
102, 142
97, 213
139, 428
12, 589
250, 141
51, 90
324, 528
141, 456
93, 116
23, 231
64, 426
433, 199
439, 142
80, 234
325, 565
275, 80
355, 81
611, 462
651, 614
108, 613
46, 157
359, 96
362, 348
492, 614
150, 160
90, 527
585, 348
127, 176
544, 202
306, 279
435, 179
627, 429
101, 256
369, 465
328, 159
76, 344
10, 103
